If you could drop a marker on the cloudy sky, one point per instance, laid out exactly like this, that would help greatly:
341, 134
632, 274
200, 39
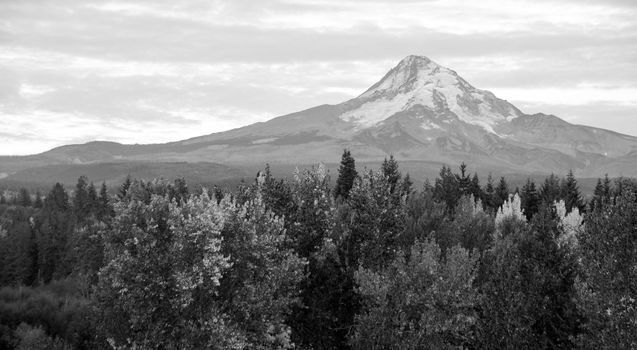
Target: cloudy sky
146, 71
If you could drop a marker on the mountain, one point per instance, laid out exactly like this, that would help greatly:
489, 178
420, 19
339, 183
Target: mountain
420, 111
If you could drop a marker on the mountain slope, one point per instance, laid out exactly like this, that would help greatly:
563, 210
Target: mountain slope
419, 111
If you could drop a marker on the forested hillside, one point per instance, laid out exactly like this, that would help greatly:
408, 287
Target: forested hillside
372, 263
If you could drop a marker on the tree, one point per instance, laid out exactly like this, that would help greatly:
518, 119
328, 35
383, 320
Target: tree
105, 209
447, 188
530, 199
346, 175
24, 198
389, 169
502, 192
474, 187
490, 197
123, 190
608, 290
262, 283
159, 288
550, 191
464, 181
420, 301
38, 203
81, 202
528, 285
55, 226
571, 194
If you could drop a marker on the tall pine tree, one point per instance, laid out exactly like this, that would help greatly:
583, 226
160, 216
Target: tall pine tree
530, 199
346, 175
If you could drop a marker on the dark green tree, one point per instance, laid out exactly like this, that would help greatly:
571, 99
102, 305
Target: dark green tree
390, 171
571, 194
55, 227
81, 201
608, 292
474, 187
530, 199
447, 189
502, 192
123, 190
464, 181
38, 203
528, 284
24, 197
490, 197
346, 175
550, 191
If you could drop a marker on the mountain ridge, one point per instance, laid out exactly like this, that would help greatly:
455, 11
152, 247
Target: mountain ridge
418, 111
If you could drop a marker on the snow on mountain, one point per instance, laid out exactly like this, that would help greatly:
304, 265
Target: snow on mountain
419, 81
419, 111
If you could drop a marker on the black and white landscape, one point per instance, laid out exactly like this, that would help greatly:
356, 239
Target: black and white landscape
157, 193
420, 112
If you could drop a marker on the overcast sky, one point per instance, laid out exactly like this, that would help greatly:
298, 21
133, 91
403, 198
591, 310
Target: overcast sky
148, 71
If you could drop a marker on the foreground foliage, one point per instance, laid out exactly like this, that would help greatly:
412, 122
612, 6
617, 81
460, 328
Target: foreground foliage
369, 263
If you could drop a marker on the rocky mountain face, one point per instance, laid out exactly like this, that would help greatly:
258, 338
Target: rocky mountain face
419, 112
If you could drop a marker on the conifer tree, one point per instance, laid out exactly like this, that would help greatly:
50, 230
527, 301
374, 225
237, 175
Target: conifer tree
92, 198
55, 227
550, 190
447, 189
81, 205
24, 197
105, 209
464, 182
502, 191
38, 203
474, 187
530, 199
406, 185
490, 195
346, 175
571, 194
390, 171
123, 191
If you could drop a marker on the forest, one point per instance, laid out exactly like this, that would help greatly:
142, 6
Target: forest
298, 263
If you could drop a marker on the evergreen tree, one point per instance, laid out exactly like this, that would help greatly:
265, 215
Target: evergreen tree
571, 194
464, 181
491, 199
24, 197
406, 185
123, 190
530, 199
390, 171
3, 199
56, 224
608, 292
447, 189
474, 187
92, 198
346, 175
105, 209
38, 203
550, 191
529, 290
606, 186
81, 203
502, 192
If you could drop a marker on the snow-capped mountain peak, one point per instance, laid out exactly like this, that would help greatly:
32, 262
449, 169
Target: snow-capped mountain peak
419, 81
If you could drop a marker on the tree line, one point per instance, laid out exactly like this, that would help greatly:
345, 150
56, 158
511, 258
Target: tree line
370, 263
